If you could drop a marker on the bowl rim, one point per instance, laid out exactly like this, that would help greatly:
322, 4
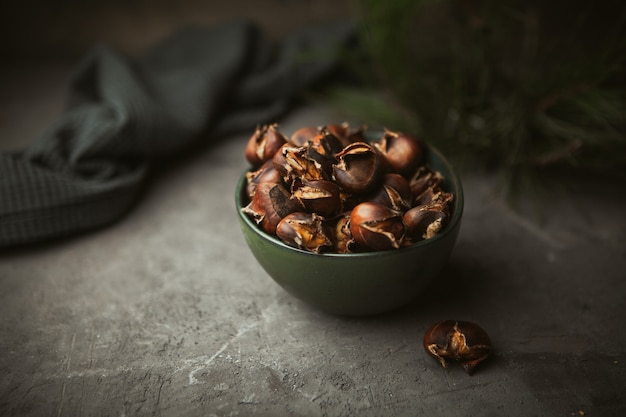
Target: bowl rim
450, 227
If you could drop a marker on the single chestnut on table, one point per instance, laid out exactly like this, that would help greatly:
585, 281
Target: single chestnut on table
459, 341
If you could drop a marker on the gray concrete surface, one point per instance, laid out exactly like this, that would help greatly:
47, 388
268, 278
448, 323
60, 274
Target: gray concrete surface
166, 313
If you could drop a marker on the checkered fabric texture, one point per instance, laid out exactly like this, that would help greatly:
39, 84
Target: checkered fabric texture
87, 169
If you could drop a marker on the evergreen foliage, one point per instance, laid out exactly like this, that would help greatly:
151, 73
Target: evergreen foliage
517, 86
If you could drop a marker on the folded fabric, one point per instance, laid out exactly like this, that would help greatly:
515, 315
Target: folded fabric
86, 170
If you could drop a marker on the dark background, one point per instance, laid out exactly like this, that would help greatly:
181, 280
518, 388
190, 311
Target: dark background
52, 30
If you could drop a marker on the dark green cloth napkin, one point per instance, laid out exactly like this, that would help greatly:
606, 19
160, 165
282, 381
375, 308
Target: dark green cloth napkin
86, 170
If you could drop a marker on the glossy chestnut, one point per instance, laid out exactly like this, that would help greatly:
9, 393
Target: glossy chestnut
400, 151
266, 173
394, 192
263, 144
319, 196
301, 136
460, 341
376, 227
424, 178
270, 203
424, 222
305, 231
358, 168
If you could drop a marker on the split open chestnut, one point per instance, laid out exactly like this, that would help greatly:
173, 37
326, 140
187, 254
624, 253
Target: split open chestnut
263, 144
460, 341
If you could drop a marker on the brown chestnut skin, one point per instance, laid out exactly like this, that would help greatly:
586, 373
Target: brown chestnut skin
266, 173
376, 227
340, 131
305, 231
358, 168
322, 152
319, 196
301, 136
280, 163
433, 195
424, 178
424, 222
400, 151
394, 192
460, 341
346, 134
331, 144
263, 144
270, 203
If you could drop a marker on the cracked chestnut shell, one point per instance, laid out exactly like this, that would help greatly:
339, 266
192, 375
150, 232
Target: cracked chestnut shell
358, 168
394, 192
305, 231
346, 134
400, 151
433, 195
425, 221
270, 203
424, 178
319, 196
376, 227
328, 141
295, 162
301, 136
459, 341
263, 144
342, 237
321, 150
266, 173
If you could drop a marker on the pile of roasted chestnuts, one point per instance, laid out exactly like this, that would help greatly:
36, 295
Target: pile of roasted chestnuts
328, 189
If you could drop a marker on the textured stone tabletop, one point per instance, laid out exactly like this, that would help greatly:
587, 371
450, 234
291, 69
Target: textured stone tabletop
167, 313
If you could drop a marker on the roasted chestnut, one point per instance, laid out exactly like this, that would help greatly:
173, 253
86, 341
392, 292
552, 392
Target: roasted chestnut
376, 227
270, 203
424, 178
358, 168
402, 152
305, 231
340, 131
433, 195
301, 136
460, 341
322, 151
424, 222
266, 173
343, 241
263, 144
319, 196
394, 192
296, 163
328, 141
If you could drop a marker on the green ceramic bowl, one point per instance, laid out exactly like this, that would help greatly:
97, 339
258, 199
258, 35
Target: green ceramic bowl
357, 284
